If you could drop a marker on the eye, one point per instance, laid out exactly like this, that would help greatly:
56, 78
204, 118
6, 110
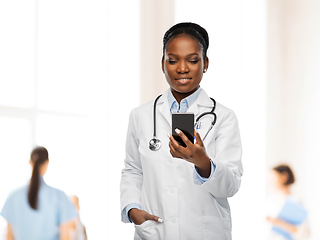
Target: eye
172, 62
194, 61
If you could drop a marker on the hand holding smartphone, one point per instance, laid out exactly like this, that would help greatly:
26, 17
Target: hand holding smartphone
184, 122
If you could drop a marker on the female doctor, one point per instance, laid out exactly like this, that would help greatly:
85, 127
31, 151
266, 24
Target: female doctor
176, 192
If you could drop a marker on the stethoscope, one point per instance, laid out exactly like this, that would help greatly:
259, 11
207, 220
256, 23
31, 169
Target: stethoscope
155, 143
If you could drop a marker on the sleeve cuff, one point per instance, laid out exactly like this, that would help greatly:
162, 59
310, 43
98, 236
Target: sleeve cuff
129, 207
198, 179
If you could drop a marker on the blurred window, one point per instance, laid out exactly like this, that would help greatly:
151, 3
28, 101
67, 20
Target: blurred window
69, 71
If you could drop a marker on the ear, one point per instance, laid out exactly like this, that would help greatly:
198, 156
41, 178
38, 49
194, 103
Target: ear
46, 162
284, 178
206, 64
162, 64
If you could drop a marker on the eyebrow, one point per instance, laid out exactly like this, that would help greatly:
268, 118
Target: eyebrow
189, 55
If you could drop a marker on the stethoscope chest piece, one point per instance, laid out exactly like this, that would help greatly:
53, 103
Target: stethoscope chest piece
154, 144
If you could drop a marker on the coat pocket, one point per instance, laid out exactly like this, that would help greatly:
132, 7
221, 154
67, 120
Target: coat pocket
147, 231
216, 228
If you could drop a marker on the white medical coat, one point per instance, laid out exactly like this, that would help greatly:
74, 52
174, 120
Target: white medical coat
166, 187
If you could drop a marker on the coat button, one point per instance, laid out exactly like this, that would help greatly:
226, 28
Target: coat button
173, 220
172, 190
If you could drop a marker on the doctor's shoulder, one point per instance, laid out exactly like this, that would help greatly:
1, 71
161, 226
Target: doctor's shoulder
143, 110
225, 114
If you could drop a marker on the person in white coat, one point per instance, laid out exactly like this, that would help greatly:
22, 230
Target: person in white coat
181, 192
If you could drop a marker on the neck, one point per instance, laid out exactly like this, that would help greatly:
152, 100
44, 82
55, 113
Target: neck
179, 96
285, 190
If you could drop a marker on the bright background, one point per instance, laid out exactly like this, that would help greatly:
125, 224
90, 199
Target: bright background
72, 70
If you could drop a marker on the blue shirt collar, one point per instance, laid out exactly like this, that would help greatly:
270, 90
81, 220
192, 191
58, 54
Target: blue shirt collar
41, 179
184, 104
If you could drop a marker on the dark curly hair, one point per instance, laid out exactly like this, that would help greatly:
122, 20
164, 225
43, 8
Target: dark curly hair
192, 29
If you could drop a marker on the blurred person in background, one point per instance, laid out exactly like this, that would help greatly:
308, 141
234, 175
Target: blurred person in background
37, 211
78, 231
285, 211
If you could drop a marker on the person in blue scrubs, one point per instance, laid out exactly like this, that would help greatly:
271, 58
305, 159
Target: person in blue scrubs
37, 211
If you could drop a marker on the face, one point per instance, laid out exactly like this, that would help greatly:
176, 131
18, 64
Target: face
277, 179
183, 65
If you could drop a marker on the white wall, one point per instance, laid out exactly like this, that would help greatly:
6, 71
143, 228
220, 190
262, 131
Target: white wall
123, 84
69, 78
156, 18
293, 96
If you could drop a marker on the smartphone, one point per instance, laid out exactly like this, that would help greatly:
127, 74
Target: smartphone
184, 122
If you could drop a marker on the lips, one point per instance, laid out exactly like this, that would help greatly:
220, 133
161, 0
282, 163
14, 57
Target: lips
183, 80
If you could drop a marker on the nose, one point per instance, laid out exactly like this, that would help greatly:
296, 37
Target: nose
182, 67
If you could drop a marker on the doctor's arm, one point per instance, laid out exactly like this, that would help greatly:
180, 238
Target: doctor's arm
225, 181
222, 172
131, 180
132, 176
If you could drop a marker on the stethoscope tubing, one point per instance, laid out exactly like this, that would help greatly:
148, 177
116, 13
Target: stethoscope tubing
206, 113
155, 117
155, 143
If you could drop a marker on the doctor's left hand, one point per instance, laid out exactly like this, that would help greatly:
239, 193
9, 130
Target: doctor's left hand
194, 153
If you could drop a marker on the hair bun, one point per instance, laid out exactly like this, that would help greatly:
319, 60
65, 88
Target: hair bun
191, 29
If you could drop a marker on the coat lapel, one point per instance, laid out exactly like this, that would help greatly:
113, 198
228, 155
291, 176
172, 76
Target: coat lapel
163, 106
200, 104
